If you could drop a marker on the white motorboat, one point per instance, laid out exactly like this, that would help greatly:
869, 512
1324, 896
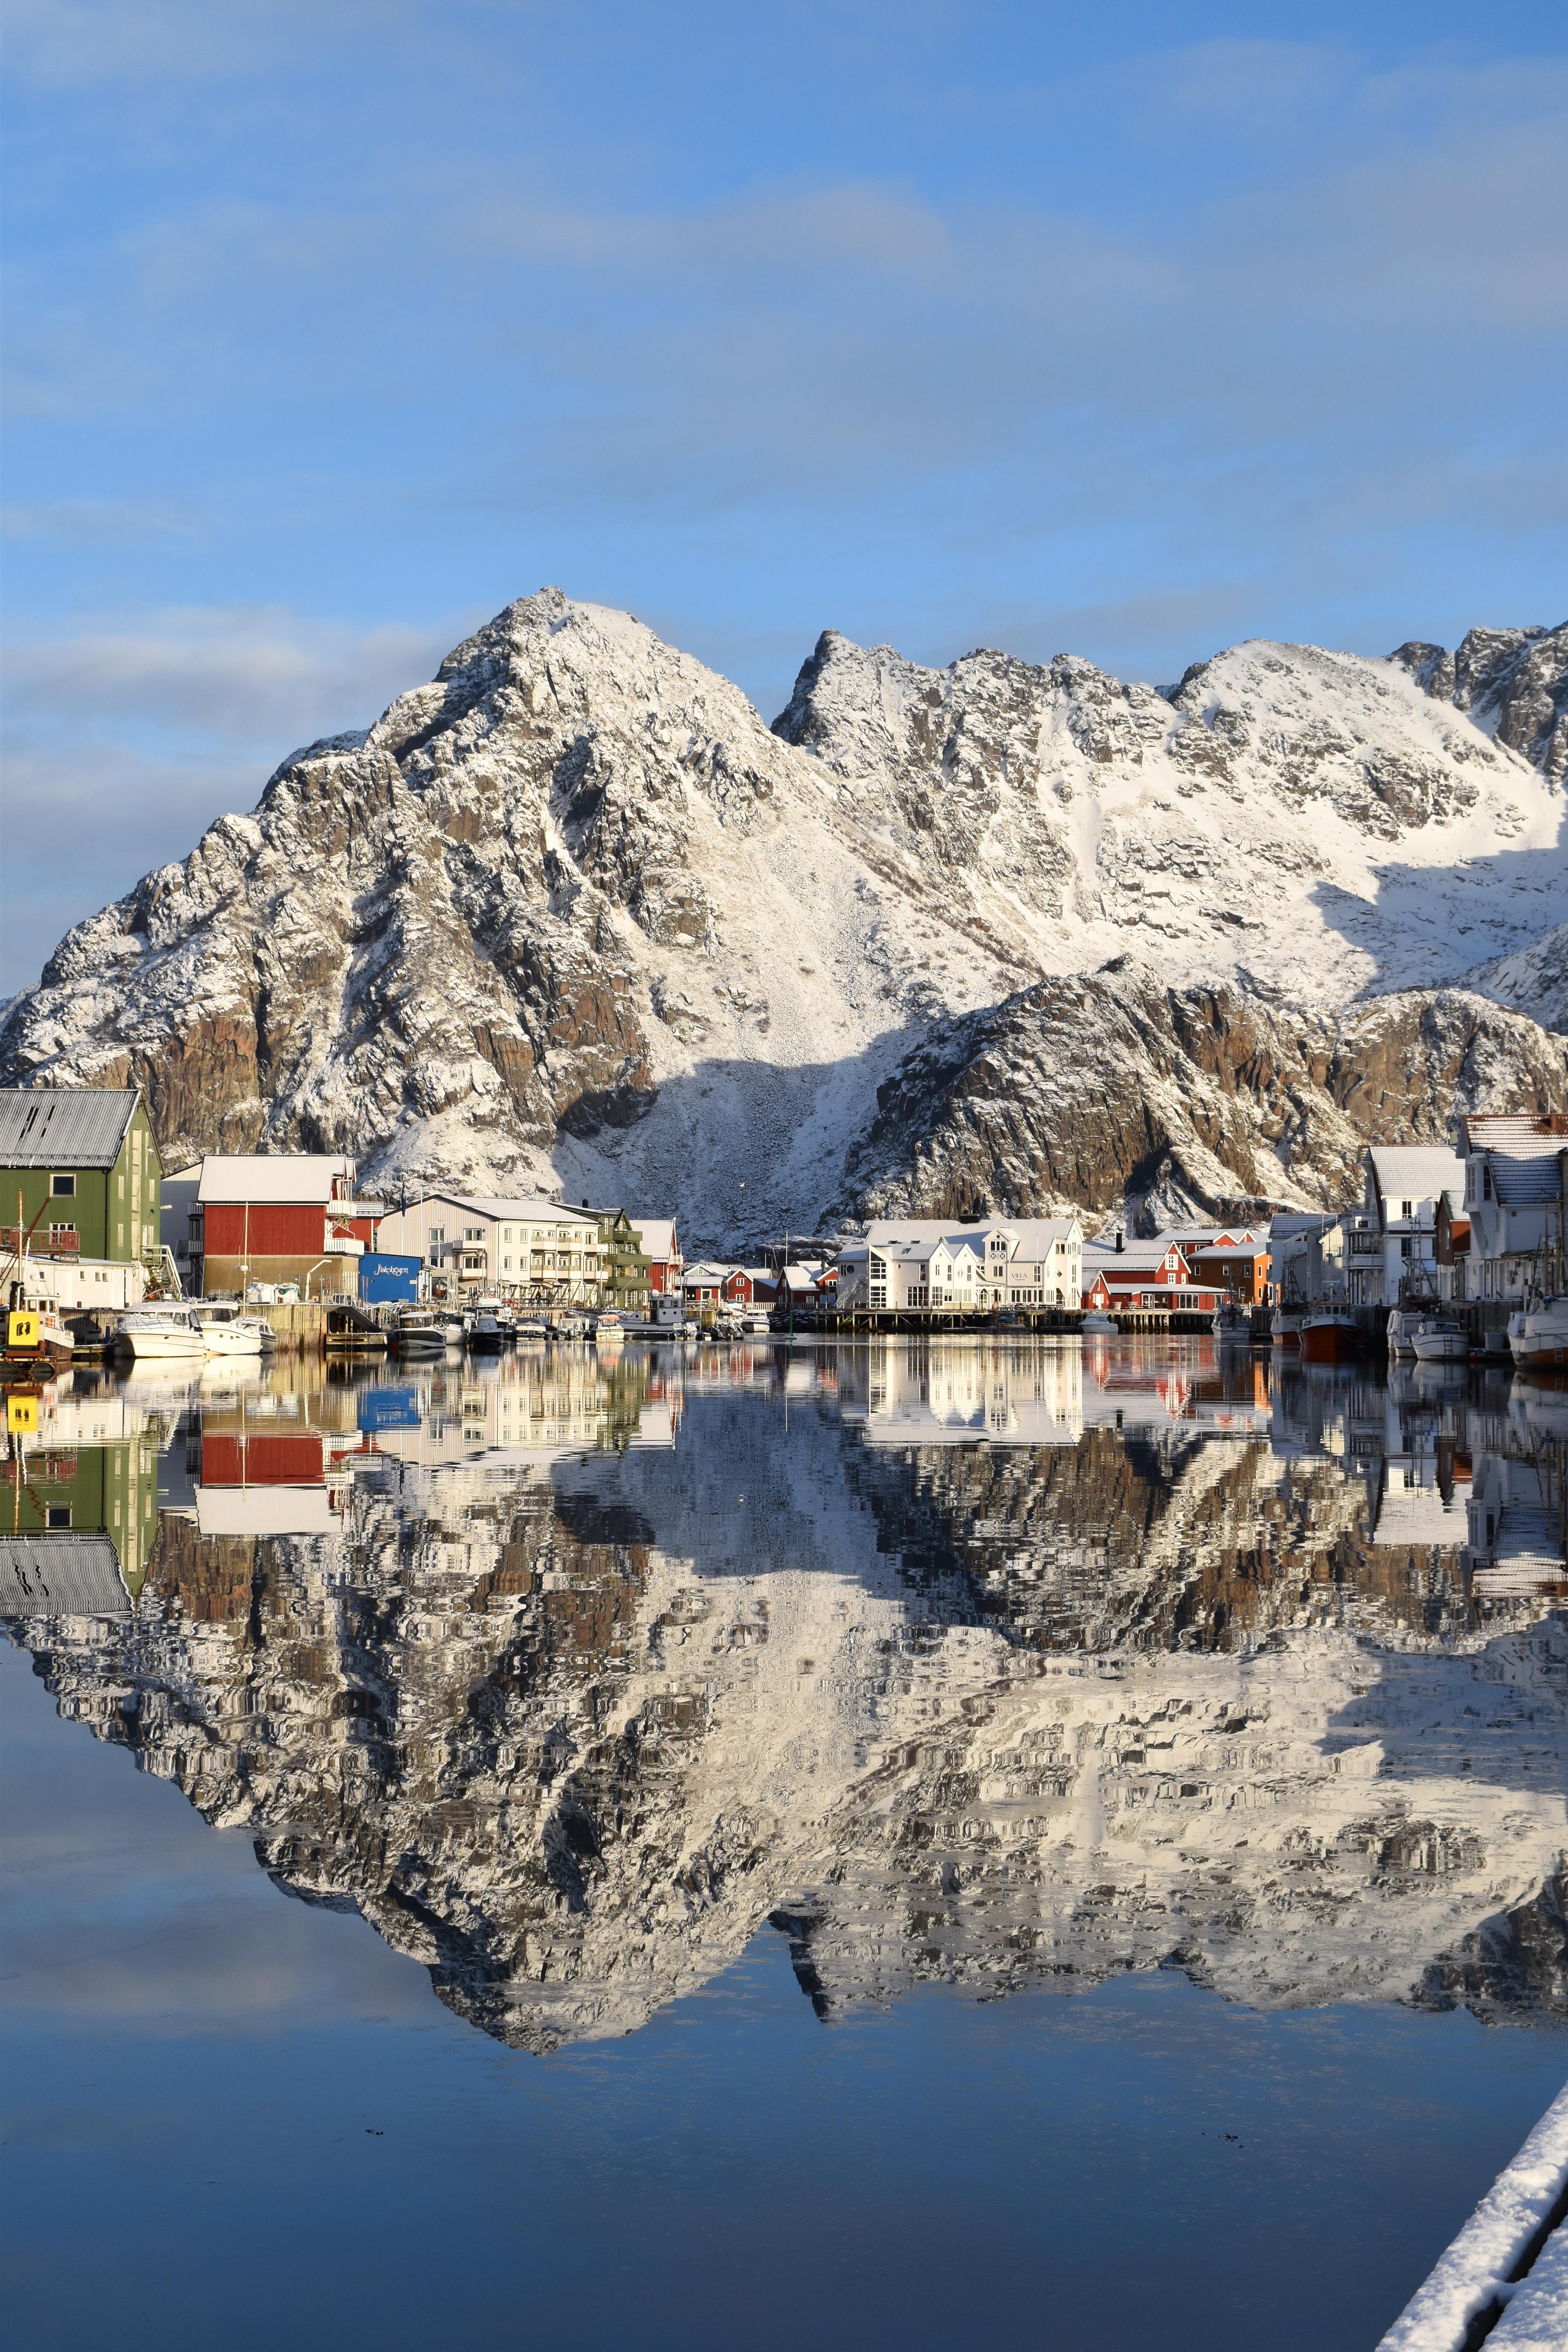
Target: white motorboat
158, 1334
1285, 1325
529, 1332
607, 1331
227, 1332
1404, 1322
1537, 1336
416, 1333
1437, 1342
1097, 1320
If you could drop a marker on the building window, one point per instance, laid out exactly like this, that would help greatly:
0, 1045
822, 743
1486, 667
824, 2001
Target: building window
57, 1515
473, 1233
437, 1235
62, 1188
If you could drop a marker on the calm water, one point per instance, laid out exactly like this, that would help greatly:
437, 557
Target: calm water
1047, 1843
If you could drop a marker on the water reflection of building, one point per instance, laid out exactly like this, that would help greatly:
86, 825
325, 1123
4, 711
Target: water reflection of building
80, 1500
934, 1393
1515, 1529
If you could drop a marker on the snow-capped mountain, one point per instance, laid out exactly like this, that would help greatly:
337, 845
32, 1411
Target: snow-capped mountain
572, 914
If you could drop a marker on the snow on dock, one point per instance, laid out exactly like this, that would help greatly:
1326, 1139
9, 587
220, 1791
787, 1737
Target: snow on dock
1510, 2262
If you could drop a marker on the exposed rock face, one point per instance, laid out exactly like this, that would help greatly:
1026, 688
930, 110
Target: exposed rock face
1208, 1101
572, 913
1513, 682
1029, 1715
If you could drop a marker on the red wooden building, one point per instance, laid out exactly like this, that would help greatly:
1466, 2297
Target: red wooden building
289, 1217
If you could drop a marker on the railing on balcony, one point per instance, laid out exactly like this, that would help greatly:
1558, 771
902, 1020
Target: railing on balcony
44, 1241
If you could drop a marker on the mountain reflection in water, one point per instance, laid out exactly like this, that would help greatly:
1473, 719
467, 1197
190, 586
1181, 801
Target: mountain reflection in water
998, 1663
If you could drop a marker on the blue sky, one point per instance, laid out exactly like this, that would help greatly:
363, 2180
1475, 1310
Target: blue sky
330, 328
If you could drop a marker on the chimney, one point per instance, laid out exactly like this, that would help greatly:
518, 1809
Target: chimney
1119, 1237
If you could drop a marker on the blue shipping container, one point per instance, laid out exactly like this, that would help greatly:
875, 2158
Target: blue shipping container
384, 1280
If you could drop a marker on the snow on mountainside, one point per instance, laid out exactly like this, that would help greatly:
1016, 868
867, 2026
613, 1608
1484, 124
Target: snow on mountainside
572, 913
1199, 1101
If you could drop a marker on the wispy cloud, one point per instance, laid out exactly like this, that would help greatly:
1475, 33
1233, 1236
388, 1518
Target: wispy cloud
124, 743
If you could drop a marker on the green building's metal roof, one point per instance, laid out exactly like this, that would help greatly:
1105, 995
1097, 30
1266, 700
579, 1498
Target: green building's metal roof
64, 1127
61, 1576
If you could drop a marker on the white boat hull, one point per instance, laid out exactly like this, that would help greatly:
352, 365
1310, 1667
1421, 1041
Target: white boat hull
1442, 1347
1537, 1337
229, 1339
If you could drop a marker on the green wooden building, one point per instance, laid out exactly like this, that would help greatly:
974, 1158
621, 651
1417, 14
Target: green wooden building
80, 1165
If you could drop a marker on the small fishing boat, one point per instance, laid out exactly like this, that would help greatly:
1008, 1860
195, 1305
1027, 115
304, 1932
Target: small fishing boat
484, 1332
1438, 1342
1285, 1326
1330, 1335
1404, 1322
416, 1332
152, 1335
1537, 1336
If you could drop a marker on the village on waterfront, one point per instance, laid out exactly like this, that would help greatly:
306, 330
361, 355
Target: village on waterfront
1450, 1252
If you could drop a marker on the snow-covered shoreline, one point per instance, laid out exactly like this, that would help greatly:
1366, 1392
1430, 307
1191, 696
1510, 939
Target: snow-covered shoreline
1477, 2270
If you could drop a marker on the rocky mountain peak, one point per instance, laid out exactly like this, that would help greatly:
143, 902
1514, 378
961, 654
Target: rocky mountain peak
570, 913
1512, 682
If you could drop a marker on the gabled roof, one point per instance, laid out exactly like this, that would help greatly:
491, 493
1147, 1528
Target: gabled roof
524, 1209
655, 1237
1027, 1237
1137, 1256
64, 1127
1213, 1235
1415, 1171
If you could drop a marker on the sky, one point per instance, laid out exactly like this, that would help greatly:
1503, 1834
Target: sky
330, 326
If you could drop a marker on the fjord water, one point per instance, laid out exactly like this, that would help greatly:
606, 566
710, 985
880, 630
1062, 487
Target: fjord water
1057, 1842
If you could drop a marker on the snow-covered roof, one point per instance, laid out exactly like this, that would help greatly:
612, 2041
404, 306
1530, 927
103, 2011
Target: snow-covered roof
64, 1127
285, 1179
1214, 1234
524, 1209
1027, 1237
1516, 1133
656, 1238
1414, 1171
1135, 1255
